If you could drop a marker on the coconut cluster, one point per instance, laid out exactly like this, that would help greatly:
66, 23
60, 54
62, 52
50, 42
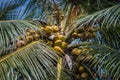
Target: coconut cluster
77, 51
55, 39
31, 35
84, 33
80, 70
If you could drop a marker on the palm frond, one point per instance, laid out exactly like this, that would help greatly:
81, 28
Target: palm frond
33, 62
107, 19
59, 68
109, 16
6, 6
111, 36
91, 5
100, 58
9, 32
7, 9
38, 23
65, 75
22, 9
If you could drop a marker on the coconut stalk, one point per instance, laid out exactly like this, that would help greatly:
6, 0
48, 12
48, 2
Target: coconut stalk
65, 22
81, 44
59, 68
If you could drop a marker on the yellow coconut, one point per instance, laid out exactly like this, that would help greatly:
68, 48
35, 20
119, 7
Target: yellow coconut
58, 49
20, 37
84, 75
80, 35
32, 31
56, 38
48, 29
55, 28
75, 34
58, 43
81, 68
36, 36
50, 43
76, 51
64, 45
20, 43
88, 35
28, 33
59, 37
29, 39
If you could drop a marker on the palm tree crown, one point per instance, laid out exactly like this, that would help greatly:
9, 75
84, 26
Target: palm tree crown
59, 40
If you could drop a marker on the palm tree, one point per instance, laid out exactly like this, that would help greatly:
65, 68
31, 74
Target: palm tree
89, 27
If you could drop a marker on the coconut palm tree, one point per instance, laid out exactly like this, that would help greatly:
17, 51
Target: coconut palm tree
31, 47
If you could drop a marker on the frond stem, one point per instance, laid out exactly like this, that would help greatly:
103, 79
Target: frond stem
14, 53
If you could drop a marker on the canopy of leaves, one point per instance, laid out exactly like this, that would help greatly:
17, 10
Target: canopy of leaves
29, 62
36, 60
9, 32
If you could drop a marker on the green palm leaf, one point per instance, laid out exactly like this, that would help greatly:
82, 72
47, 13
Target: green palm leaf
22, 9
7, 9
9, 32
107, 16
33, 62
37, 61
6, 6
108, 22
99, 57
